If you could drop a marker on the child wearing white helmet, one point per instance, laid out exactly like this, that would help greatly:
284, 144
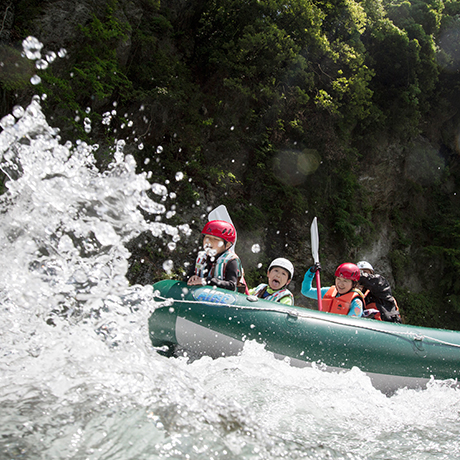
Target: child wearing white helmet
279, 274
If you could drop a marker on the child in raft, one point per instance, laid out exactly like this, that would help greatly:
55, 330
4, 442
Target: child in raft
279, 275
343, 298
218, 265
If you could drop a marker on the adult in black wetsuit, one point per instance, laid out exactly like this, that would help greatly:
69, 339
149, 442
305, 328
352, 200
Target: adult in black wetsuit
380, 303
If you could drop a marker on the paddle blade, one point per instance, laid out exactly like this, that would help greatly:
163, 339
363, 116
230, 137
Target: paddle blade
220, 213
314, 240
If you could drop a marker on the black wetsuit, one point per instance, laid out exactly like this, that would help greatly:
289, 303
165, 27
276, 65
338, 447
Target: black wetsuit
380, 294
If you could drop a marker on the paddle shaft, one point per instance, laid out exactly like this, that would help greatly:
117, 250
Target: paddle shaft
318, 288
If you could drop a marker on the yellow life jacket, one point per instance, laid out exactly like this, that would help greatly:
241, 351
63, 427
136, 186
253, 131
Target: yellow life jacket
276, 296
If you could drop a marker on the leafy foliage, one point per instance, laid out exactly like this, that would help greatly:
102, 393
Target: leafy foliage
278, 108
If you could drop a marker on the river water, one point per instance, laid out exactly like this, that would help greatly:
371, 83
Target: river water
78, 376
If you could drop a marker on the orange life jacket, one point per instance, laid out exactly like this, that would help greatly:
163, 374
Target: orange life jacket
341, 304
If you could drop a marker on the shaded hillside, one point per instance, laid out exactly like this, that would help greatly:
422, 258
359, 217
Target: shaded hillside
282, 110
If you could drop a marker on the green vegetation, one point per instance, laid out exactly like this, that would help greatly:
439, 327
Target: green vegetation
279, 109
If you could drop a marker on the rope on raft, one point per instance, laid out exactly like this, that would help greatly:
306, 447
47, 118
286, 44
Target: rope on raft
296, 313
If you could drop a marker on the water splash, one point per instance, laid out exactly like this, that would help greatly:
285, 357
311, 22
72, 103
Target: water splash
78, 376
78, 371
70, 221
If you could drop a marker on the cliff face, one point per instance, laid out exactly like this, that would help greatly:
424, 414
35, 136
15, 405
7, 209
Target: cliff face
273, 131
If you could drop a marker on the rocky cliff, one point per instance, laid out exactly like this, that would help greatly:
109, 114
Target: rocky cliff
279, 133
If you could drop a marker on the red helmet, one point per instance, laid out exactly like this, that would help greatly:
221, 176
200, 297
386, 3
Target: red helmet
220, 229
348, 271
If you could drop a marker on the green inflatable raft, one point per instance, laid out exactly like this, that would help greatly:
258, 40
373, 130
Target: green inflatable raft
205, 321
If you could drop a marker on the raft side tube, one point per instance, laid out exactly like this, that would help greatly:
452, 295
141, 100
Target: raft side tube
302, 334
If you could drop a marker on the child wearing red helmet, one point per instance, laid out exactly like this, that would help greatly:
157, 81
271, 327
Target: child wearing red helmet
218, 265
343, 298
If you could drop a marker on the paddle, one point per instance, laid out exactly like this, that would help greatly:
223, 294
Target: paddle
314, 253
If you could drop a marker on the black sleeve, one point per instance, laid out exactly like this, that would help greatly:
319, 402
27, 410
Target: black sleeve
378, 286
380, 293
190, 273
230, 281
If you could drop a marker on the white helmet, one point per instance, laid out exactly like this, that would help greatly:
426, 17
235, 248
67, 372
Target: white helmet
283, 263
363, 265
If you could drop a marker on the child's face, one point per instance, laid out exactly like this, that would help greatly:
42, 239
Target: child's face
277, 278
214, 245
343, 285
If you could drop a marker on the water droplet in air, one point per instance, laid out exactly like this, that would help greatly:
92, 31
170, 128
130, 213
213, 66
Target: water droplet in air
159, 189
41, 64
168, 266
7, 121
18, 111
32, 48
50, 56
87, 125
35, 80
255, 248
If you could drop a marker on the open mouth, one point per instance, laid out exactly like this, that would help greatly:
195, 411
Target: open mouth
275, 283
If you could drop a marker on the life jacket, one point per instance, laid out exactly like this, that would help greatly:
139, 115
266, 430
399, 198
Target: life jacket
372, 311
276, 296
340, 304
218, 268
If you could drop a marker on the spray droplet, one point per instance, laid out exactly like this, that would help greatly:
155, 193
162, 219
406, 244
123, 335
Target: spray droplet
7, 121
255, 248
87, 125
168, 266
50, 56
159, 189
35, 80
32, 48
41, 64
18, 111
